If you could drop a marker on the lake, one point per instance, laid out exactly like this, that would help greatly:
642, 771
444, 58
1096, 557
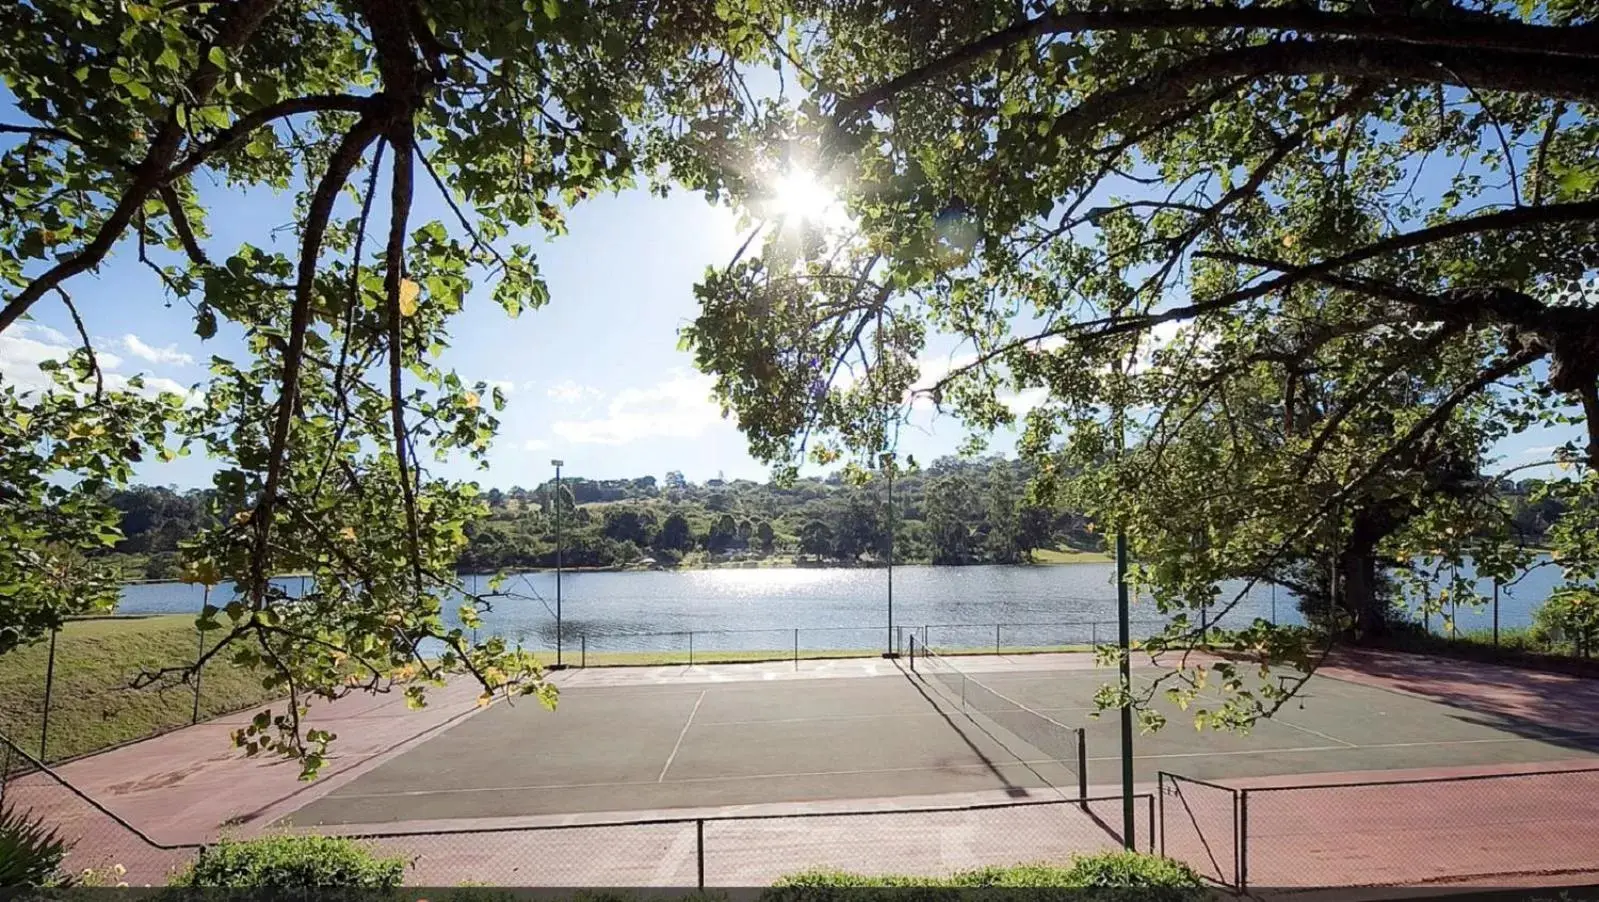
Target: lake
761, 609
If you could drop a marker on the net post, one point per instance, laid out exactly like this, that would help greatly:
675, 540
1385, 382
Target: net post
796, 648
996, 640
913, 652
583, 650
1082, 768
691, 648
699, 849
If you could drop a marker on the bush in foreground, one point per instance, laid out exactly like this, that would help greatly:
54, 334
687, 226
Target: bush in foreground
292, 862
1104, 876
30, 851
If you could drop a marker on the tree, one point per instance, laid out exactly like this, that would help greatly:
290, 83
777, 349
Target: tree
746, 531
816, 538
764, 534
1368, 231
722, 535
675, 534
627, 525
856, 529
1002, 544
323, 427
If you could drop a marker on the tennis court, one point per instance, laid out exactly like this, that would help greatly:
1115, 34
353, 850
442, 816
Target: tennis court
709, 737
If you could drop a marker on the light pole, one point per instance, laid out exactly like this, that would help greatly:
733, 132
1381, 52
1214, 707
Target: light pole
557, 465
887, 460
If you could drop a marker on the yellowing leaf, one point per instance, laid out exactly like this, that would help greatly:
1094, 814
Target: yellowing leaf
484, 699
348, 533
242, 517
472, 400
409, 292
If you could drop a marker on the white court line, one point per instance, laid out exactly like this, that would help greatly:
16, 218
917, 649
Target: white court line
679, 744
725, 779
898, 770
1289, 723
737, 723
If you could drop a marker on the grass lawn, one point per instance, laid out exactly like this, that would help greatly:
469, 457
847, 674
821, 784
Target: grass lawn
93, 706
1070, 556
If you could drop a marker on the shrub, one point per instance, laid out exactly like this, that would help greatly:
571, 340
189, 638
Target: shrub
1570, 615
292, 862
1106, 876
30, 851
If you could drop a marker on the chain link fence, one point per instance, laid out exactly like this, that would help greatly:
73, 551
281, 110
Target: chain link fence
1416, 831
1384, 832
103, 844
756, 850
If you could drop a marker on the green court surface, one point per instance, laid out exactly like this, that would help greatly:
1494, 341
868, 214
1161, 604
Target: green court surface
645, 748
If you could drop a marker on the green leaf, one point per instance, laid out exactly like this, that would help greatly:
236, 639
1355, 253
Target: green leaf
218, 58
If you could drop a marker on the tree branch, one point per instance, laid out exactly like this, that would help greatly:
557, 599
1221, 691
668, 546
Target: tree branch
344, 160
241, 129
180, 224
243, 18
1480, 32
88, 348
1495, 70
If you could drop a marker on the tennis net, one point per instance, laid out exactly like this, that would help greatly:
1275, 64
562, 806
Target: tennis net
1056, 741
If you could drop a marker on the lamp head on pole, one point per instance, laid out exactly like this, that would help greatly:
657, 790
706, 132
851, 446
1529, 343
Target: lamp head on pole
886, 460
557, 463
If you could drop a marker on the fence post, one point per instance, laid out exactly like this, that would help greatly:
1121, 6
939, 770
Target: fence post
194, 716
1160, 793
583, 650
699, 848
691, 648
1082, 768
49, 689
1151, 825
1243, 840
1496, 612
1093, 633
796, 648
996, 640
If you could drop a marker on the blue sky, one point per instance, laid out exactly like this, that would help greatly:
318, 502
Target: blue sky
594, 378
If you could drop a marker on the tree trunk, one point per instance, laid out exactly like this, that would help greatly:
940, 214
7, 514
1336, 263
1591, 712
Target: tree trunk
1358, 590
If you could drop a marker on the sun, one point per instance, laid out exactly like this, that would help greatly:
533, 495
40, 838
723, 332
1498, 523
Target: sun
798, 196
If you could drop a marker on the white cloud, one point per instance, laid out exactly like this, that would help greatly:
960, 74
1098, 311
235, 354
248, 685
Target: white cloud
535, 444
1025, 400
568, 392
26, 345
167, 355
679, 407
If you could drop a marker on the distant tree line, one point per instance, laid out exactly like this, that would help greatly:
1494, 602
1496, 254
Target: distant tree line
953, 512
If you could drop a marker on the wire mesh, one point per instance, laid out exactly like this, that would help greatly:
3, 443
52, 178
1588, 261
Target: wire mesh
1418, 831
627, 854
1199, 826
756, 852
